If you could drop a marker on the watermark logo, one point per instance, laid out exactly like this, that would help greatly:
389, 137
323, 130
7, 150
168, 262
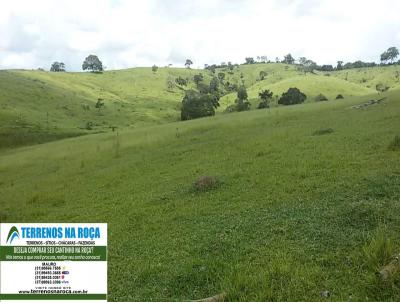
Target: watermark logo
12, 234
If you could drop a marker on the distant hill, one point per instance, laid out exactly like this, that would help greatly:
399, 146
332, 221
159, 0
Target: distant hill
38, 106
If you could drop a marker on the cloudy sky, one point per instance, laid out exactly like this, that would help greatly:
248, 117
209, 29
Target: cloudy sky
129, 33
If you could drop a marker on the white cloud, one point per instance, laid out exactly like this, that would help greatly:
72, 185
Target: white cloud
135, 33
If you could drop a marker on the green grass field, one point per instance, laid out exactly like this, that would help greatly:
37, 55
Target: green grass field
297, 210
307, 198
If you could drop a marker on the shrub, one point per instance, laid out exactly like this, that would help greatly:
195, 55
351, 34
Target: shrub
89, 126
181, 81
395, 144
262, 75
321, 98
205, 183
323, 131
292, 96
230, 109
263, 105
99, 103
339, 96
381, 87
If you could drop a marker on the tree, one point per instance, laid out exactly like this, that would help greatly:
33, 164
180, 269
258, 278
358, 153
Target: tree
188, 63
154, 68
390, 55
57, 67
214, 84
197, 78
203, 88
326, 68
212, 68
291, 97
181, 81
250, 60
307, 65
265, 97
242, 104
302, 60
288, 59
262, 75
221, 76
196, 104
339, 65
93, 64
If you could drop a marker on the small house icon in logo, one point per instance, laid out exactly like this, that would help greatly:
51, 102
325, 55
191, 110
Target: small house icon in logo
12, 234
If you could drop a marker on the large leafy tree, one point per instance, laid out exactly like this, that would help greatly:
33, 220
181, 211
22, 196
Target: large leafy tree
196, 104
250, 60
188, 63
93, 64
307, 65
390, 55
57, 67
292, 96
288, 59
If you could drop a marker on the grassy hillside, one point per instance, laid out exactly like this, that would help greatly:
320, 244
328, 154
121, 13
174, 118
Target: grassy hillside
298, 209
370, 77
39, 106
35, 103
310, 84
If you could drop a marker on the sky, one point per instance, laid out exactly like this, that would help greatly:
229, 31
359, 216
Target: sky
130, 33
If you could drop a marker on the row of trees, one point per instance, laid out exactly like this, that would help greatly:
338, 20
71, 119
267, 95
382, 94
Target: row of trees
205, 100
93, 63
387, 57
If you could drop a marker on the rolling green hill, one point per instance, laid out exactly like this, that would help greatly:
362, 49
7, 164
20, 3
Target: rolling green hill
38, 106
37, 103
305, 199
370, 77
312, 85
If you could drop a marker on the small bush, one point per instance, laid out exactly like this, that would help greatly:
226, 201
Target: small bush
230, 109
381, 87
292, 97
205, 183
263, 105
395, 144
321, 98
89, 126
339, 97
323, 131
